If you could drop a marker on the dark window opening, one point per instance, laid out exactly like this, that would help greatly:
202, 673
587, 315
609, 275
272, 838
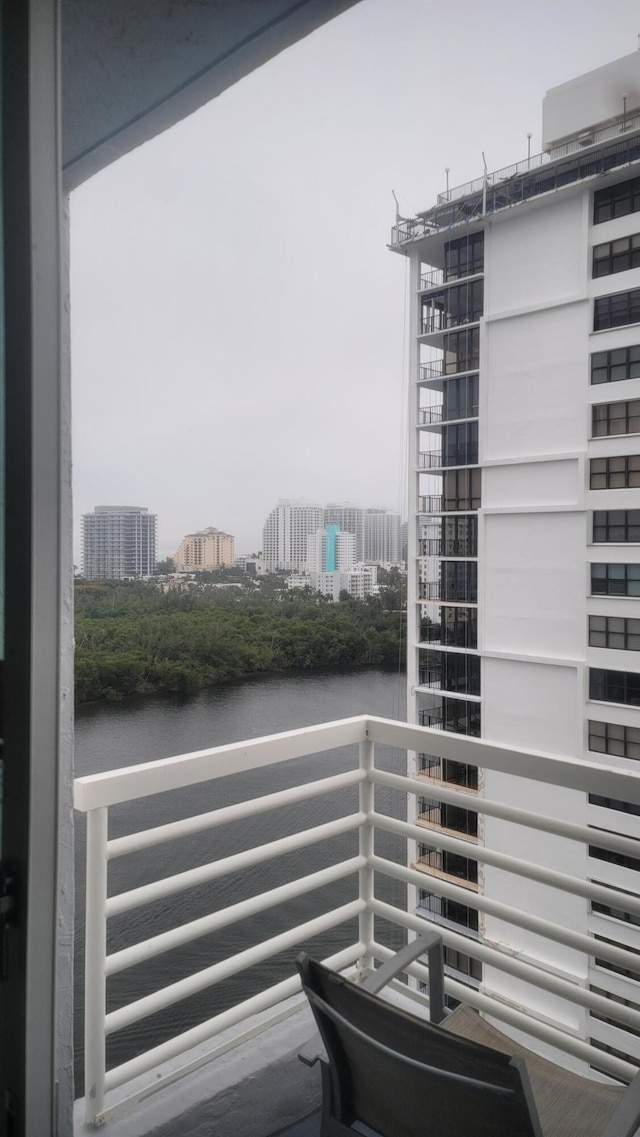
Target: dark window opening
615, 580
614, 632
615, 473
616, 525
616, 256
615, 418
614, 366
464, 256
461, 351
614, 686
616, 201
612, 738
617, 310
461, 490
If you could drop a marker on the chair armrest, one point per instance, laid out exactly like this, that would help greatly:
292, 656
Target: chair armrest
625, 1118
429, 944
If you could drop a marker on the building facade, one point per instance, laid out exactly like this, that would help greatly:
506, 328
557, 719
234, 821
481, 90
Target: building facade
524, 533
381, 535
204, 551
284, 537
118, 543
350, 519
330, 549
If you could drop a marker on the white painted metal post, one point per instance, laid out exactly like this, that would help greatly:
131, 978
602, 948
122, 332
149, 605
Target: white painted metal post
366, 849
94, 965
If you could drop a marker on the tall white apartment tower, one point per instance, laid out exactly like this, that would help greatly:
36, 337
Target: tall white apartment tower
524, 533
284, 540
350, 518
381, 535
118, 542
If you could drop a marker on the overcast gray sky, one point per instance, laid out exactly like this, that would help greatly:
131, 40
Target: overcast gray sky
237, 321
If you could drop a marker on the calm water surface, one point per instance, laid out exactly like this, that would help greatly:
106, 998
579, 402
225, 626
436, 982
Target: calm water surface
140, 730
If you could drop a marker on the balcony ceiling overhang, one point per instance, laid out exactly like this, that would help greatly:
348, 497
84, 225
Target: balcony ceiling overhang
133, 68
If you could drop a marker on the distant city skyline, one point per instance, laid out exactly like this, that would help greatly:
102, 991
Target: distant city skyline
238, 325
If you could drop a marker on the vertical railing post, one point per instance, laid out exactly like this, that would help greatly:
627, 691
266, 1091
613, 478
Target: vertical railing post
94, 965
366, 849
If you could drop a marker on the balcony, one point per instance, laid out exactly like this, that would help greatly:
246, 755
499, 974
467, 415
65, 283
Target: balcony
430, 503
354, 929
429, 459
428, 416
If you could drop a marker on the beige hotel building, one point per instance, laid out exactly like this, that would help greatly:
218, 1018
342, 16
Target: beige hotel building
208, 549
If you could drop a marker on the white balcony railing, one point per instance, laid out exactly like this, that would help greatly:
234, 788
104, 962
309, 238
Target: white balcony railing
96, 794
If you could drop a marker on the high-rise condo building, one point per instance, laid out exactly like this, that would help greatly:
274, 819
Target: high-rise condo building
381, 535
350, 518
524, 538
330, 549
206, 550
284, 540
118, 543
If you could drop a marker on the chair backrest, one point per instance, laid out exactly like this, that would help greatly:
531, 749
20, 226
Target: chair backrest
403, 1076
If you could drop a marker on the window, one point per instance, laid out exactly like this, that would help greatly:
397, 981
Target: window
617, 310
615, 473
614, 632
613, 366
614, 999
615, 686
461, 717
613, 803
459, 774
461, 490
450, 671
616, 201
448, 909
616, 256
461, 351
460, 398
458, 961
624, 860
459, 581
615, 418
460, 444
612, 738
616, 913
615, 580
461, 304
460, 537
625, 971
464, 257
619, 525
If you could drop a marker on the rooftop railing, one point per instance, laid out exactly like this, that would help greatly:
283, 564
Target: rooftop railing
590, 154
96, 795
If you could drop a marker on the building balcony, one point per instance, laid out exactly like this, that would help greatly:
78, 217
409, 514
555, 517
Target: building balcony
443, 592
429, 459
430, 503
436, 321
139, 1095
428, 416
439, 368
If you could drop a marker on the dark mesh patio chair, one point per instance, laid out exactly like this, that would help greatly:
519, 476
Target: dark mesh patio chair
404, 1077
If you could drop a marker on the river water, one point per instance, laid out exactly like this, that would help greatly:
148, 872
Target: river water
140, 730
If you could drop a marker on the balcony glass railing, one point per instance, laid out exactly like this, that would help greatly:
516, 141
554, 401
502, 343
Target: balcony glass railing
108, 1090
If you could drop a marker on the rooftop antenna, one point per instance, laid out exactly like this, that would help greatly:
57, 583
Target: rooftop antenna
484, 186
529, 137
446, 170
397, 207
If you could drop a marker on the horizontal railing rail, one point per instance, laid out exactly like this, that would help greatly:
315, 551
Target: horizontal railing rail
96, 794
